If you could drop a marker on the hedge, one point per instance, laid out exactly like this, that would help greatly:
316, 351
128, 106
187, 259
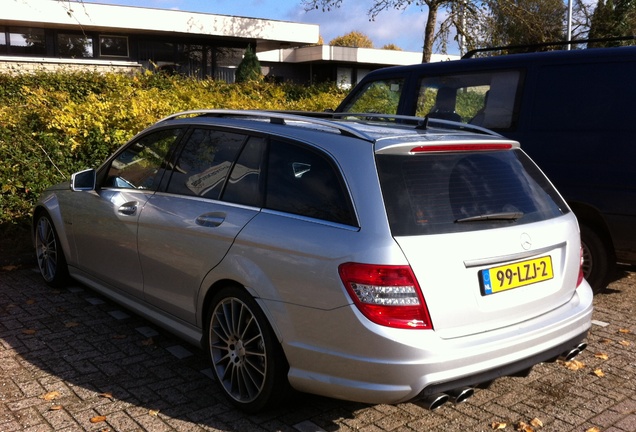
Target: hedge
54, 124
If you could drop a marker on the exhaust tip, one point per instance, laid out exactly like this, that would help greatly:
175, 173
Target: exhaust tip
569, 355
435, 401
461, 394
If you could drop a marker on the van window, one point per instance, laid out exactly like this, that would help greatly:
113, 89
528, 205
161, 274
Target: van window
382, 96
485, 99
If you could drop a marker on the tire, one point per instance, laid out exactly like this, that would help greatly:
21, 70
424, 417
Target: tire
49, 253
247, 360
598, 259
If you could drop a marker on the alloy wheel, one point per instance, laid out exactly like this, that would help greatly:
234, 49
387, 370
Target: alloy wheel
238, 350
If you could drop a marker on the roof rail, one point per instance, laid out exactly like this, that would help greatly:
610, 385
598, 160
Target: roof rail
534, 47
418, 122
277, 117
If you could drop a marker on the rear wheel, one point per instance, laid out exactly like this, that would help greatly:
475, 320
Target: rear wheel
247, 360
49, 253
598, 259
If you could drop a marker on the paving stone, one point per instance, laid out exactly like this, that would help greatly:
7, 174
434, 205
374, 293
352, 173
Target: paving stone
85, 348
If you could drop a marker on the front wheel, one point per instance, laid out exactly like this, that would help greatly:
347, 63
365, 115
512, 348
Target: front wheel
49, 253
598, 259
247, 360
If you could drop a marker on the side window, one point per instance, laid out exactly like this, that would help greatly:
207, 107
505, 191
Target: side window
381, 96
142, 163
244, 184
204, 163
483, 99
304, 182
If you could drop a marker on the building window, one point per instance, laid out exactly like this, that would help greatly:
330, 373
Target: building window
26, 41
74, 46
3, 40
113, 46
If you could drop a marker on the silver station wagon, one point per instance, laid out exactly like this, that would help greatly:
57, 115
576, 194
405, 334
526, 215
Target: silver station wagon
353, 257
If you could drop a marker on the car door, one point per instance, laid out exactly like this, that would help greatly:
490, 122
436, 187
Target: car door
186, 230
105, 220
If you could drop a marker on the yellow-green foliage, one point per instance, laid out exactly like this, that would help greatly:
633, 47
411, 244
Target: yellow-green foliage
53, 124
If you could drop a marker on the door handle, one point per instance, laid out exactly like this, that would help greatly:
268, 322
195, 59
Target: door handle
210, 220
130, 208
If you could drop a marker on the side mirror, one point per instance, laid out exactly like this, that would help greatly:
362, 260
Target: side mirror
84, 180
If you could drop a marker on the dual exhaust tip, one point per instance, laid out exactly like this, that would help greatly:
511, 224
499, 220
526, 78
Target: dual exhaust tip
462, 394
569, 355
456, 396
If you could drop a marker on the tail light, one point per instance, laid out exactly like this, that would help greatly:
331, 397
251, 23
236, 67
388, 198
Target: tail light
386, 295
581, 276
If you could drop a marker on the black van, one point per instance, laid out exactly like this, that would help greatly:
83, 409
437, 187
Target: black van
574, 113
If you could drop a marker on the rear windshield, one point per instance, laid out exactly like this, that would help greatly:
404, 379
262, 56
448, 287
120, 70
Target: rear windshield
452, 192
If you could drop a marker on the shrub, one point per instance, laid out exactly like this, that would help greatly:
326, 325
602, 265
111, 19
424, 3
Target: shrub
54, 124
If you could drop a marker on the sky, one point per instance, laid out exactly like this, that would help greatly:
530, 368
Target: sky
402, 28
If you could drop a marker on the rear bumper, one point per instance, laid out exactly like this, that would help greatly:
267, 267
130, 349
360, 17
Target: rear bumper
509, 369
390, 366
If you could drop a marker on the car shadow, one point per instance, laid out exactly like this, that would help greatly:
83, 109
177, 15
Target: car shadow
622, 270
77, 357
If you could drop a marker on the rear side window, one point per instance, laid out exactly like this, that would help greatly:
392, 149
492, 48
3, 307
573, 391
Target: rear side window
205, 162
305, 182
382, 96
454, 192
486, 99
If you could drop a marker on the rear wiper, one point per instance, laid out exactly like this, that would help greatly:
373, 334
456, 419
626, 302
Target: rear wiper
504, 216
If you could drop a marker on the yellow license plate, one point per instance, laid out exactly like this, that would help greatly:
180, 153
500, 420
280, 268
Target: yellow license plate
516, 275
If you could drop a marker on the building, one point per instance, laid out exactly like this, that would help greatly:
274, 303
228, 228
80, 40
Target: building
51, 34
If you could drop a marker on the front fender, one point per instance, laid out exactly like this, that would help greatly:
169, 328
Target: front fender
49, 203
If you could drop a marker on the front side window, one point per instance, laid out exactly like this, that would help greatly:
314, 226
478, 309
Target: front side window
486, 99
382, 96
204, 163
142, 164
454, 192
306, 183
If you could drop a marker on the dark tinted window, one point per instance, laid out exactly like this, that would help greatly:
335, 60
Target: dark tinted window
451, 192
304, 182
244, 184
142, 163
204, 163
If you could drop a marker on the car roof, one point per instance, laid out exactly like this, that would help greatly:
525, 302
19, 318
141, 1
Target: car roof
507, 60
381, 130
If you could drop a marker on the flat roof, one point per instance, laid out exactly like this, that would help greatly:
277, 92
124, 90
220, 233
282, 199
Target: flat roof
269, 34
348, 55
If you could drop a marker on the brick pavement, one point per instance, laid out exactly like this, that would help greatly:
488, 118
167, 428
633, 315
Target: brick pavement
71, 360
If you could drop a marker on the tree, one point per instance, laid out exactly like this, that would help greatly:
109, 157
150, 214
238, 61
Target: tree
391, 47
516, 22
352, 39
250, 68
381, 5
613, 19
